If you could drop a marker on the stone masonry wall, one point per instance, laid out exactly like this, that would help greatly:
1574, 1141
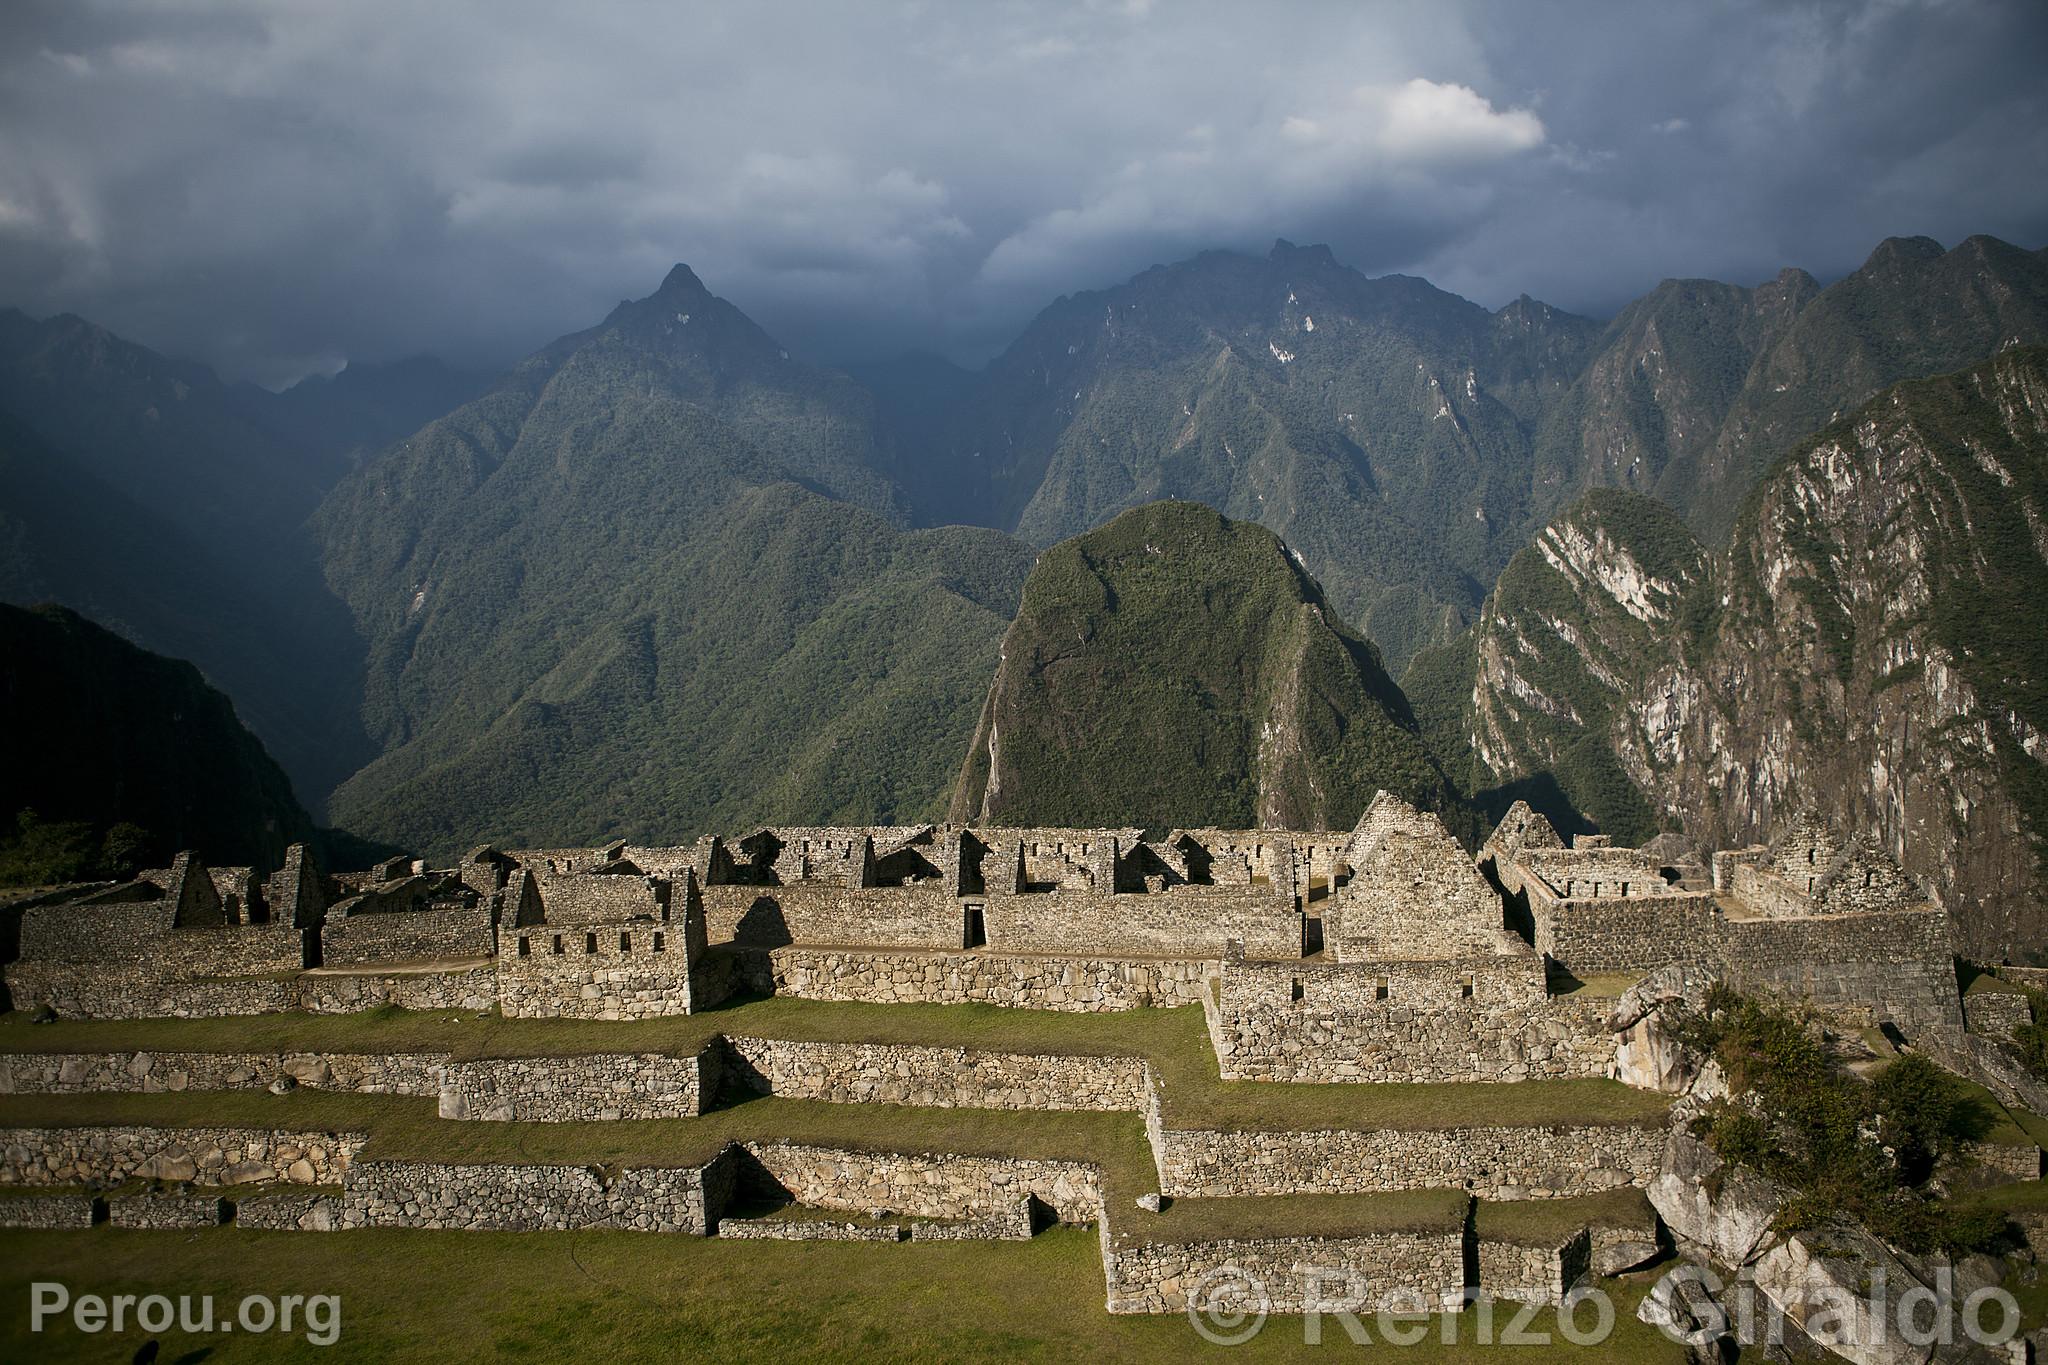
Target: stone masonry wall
81, 1073
1530, 1272
927, 1186
1075, 984
1394, 1270
1548, 1039
1178, 921
600, 1088
45, 1210
501, 1198
925, 915
616, 971
1624, 934
413, 935
854, 1073
1897, 966
217, 1156
1491, 1162
112, 992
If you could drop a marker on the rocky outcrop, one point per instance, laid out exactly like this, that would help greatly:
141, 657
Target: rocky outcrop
1867, 644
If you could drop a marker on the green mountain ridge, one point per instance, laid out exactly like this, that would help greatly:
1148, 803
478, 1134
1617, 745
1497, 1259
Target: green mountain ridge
653, 584
1175, 668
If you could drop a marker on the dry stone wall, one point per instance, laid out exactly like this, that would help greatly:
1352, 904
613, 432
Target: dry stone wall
112, 992
1178, 921
1072, 984
408, 935
214, 1156
598, 1088
1491, 1162
1533, 1272
166, 1209
82, 1073
19, 1210
1396, 1270
928, 1186
1896, 967
920, 916
1340, 1029
866, 1073
504, 1198
1586, 935
639, 971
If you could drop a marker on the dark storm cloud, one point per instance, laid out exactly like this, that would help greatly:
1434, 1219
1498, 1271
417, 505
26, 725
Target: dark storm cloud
276, 188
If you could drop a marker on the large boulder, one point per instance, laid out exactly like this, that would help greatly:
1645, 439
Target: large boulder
1722, 1212
1647, 1054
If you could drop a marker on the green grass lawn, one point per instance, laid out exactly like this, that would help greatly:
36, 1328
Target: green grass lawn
1175, 1041
617, 1296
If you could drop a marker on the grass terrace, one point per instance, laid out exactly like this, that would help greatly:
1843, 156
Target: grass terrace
627, 1297
1174, 1041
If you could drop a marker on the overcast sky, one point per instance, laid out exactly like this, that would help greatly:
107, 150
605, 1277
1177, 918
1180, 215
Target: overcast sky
276, 187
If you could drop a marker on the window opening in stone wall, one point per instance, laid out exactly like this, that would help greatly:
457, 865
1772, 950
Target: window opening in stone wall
525, 946
659, 944
590, 943
1379, 989
625, 943
1465, 987
1294, 991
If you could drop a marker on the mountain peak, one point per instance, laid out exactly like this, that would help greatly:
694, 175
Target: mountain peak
681, 282
1285, 251
1899, 250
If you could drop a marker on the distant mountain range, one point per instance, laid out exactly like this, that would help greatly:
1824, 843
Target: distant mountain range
662, 577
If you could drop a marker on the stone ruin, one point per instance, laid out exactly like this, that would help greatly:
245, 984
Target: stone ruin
1386, 953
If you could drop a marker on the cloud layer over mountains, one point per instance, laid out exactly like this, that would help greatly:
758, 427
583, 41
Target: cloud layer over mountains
277, 189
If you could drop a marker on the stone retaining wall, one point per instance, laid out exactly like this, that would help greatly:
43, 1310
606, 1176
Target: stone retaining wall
941, 1077
1397, 1270
1491, 1162
1072, 984
614, 971
1532, 1272
1553, 1039
166, 1209
646, 1085
117, 992
220, 1156
503, 1198
81, 1073
1191, 921
810, 1230
46, 1211
290, 1212
935, 1186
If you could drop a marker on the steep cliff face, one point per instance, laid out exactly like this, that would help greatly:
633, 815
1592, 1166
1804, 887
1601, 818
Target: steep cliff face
1697, 387
1177, 668
1880, 652
1869, 643
1567, 636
